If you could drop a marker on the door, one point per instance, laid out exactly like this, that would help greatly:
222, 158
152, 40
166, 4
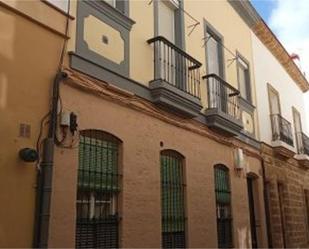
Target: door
166, 20
250, 183
274, 105
274, 102
217, 91
166, 28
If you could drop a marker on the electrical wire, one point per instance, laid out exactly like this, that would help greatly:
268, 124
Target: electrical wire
66, 37
65, 42
43, 122
220, 43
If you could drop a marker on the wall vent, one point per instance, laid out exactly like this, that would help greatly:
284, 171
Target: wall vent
25, 130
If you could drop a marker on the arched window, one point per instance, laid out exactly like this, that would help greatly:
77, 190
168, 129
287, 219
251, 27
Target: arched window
172, 200
97, 190
223, 204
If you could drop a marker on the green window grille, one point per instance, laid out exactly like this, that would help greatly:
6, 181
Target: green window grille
172, 200
223, 205
97, 190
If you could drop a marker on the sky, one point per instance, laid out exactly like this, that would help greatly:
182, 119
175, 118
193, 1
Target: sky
289, 20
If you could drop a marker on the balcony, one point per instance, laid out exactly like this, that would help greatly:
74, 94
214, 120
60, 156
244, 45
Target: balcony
176, 83
303, 149
282, 136
222, 113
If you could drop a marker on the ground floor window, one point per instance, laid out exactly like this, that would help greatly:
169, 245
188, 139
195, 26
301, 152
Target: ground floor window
223, 205
97, 222
173, 200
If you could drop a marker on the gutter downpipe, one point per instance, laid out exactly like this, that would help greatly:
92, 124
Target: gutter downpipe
45, 175
266, 206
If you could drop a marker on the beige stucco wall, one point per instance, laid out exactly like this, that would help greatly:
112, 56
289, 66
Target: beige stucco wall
236, 36
140, 196
29, 56
24, 98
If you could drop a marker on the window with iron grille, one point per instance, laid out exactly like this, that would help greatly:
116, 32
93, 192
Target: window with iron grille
223, 204
172, 200
97, 191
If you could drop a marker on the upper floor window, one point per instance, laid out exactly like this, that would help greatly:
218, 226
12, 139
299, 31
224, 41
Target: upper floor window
121, 5
298, 131
214, 51
60, 4
244, 78
223, 204
97, 190
172, 200
274, 100
167, 19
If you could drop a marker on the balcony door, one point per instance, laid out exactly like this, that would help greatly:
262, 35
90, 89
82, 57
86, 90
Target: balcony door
214, 54
275, 111
214, 58
167, 22
274, 101
166, 19
298, 129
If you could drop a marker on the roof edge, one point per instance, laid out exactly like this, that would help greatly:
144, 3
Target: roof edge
256, 23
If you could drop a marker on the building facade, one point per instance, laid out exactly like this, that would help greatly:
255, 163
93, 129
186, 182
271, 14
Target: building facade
155, 136
284, 143
32, 36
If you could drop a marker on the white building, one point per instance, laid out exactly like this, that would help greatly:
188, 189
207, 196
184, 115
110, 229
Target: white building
280, 101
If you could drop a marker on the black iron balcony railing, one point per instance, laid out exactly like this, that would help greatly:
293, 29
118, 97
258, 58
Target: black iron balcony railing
222, 96
302, 143
176, 67
281, 129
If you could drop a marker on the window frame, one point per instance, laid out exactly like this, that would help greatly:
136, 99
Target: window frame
295, 112
271, 89
248, 84
121, 6
181, 159
106, 197
229, 205
209, 28
179, 22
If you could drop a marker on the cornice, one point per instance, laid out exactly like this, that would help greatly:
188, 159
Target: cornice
267, 37
247, 12
255, 22
112, 93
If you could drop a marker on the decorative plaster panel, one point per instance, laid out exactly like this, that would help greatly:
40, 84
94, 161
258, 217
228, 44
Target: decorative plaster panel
105, 41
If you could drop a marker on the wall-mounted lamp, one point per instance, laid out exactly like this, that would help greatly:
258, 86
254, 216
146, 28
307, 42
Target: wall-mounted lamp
28, 155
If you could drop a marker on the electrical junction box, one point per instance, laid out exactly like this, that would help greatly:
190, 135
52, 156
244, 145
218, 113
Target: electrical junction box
65, 119
239, 159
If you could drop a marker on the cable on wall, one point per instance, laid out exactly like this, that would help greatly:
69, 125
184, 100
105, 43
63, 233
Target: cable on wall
207, 38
